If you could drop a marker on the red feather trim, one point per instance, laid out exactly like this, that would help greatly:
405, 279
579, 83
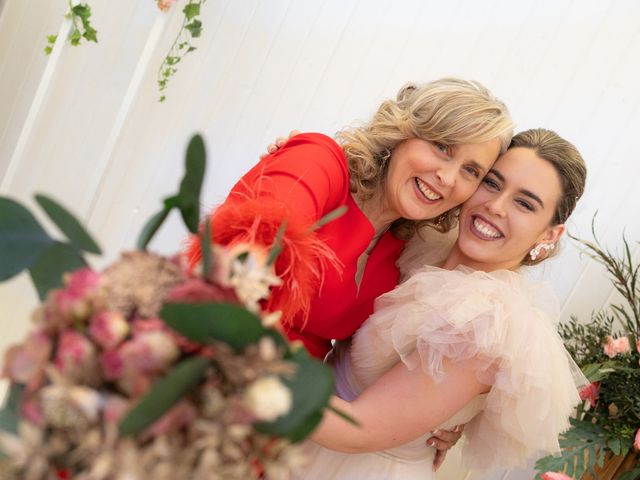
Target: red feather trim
301, 263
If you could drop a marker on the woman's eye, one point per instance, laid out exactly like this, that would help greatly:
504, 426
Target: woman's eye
491, 183
442, 148
472, 171
525, 204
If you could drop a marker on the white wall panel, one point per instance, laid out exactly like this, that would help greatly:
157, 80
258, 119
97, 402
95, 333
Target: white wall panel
102, 143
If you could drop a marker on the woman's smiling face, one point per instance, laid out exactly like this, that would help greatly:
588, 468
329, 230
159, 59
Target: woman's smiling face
425, 179
510, 212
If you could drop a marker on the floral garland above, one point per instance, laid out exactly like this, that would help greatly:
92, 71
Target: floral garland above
80, 16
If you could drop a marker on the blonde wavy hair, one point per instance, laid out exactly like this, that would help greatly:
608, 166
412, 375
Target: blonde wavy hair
569, 165
450, 111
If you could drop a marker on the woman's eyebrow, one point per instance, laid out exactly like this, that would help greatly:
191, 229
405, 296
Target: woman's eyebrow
524, 191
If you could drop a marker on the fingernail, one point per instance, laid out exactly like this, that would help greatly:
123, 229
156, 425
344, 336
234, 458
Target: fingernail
457, 429
431, 442
436, 432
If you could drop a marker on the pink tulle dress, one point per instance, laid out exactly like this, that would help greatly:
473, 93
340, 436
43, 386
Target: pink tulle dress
499, 317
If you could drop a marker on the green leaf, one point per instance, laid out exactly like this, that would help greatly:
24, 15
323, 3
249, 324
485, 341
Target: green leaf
191, 10
10, 414
311, 387
151, 227
195, 28
616, 446
75, 37
90, 33
191, 185
165, 393
52, 38
48, 50
46, 273
206, 322
22, 239
343, 415
205, 248
68, 224
330, 217
82, 10
276, 248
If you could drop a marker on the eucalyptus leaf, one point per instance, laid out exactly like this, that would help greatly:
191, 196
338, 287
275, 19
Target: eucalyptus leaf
22, 239
164, 394
205, 248
10, 414
151, 227
191, 185
207, 322
311, 387
47, 272
68, 224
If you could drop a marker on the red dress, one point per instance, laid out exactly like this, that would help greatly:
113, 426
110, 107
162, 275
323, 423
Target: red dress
302, 182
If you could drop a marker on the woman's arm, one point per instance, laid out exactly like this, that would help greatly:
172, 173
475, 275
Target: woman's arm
399, 407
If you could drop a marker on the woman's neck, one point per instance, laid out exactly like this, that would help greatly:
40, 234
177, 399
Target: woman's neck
456, 257
377, 211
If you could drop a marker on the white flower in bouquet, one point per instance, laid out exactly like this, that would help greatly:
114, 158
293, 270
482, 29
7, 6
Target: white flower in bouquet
268, 398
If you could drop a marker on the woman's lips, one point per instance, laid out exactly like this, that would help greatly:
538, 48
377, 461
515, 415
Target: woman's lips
484, 229
426, 192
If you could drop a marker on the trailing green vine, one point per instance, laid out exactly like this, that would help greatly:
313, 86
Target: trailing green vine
80, 16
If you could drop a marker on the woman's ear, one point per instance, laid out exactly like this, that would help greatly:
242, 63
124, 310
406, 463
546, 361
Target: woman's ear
552, 234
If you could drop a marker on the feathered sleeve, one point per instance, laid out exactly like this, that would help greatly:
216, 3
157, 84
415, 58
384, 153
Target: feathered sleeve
490, 320
296, 186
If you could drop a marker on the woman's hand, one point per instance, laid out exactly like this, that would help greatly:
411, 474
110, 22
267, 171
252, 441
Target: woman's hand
443, 440
280, 141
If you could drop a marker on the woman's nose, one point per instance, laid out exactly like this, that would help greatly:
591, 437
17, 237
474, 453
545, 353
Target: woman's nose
447, 174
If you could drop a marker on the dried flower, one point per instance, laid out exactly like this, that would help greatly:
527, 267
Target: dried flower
268, 398
108, 329
25, 363
76, 357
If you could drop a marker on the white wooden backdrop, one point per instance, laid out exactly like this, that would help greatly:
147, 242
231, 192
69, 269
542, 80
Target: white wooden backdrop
85, 126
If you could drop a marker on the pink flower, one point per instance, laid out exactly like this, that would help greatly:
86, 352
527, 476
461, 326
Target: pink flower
25, 363
638, 346
555, 476
196, 290
32, 411
108, 329
76, 355
614, 347
636, 443
165, 5
74, 301
112, 364
590, 393
609, 348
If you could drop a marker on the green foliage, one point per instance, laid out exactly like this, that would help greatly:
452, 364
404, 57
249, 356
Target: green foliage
165, 393
47, 272
311, 387
583, 447
22, 239
187, 200
211, 322
182, 45
67, 223
10, 414
584, 341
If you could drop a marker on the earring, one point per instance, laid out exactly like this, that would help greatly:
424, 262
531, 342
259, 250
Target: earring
535, 251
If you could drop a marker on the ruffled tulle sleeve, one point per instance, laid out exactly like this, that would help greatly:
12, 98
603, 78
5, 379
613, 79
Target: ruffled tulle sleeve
491, 321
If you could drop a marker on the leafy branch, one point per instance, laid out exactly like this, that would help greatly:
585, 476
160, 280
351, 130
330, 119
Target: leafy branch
191, 28
80, 16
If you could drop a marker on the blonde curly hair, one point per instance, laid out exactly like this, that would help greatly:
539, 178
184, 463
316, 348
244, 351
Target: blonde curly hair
450, 110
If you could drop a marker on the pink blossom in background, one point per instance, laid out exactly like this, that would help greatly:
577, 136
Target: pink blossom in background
591, 393
108, 329
609, 348
75, 352
636, 443
165, 5
621, 345
25, 363
196, 290
112, 364
555, 476
72, 300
